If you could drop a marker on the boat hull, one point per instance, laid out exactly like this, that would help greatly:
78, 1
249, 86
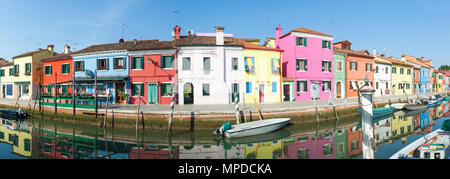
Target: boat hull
256, 128
415, 107
399, 106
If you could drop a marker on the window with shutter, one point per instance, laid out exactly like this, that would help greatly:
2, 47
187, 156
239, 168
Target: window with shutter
186, 63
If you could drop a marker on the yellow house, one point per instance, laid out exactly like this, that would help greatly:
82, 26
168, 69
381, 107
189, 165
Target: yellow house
19, 139
27, 72
6, 80
401, 125
402, 77
262, 74
264, 150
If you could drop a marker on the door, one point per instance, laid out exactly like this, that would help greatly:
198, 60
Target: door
152, 94
120, 92
235, 92
3, 91
286, 92
188, 93
261, 93
338, 90
315, 91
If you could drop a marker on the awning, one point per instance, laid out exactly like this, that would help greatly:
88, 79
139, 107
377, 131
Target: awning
22, 83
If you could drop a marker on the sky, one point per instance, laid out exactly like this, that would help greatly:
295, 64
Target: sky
413, 27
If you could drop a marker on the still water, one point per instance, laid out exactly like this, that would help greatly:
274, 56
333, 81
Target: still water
44, 140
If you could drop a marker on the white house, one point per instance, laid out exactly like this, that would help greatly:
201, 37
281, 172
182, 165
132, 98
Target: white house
382, 76
210, 68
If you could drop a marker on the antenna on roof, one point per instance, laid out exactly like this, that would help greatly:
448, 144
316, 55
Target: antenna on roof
174, 16
123, 29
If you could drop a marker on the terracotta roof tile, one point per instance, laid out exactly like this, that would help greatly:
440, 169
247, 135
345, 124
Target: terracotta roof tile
58, 57
205, 41
32, 53
249, 45
307, 31
351, 52
114, 46
3, 62
398, 62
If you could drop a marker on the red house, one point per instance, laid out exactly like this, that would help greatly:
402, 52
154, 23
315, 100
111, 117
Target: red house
61, 65
152, 72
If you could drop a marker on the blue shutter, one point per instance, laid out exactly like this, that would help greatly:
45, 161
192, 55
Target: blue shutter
274, 87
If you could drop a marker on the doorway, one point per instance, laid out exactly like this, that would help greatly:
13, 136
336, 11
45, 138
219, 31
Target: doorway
261, 93
338, 90
152, 93
286, 92
188, 93
235, 93
120, 92
315, 90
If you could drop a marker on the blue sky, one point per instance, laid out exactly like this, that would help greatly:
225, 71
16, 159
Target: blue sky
413, 27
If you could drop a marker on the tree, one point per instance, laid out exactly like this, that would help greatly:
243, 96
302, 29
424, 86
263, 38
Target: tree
444, 67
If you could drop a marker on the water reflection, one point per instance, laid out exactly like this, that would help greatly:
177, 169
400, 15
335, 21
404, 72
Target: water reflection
32, 140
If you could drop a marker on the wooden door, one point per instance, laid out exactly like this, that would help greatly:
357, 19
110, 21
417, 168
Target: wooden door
339, 90
261, 93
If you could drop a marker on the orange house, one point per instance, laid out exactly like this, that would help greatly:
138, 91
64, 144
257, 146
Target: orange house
359, 64
60, 65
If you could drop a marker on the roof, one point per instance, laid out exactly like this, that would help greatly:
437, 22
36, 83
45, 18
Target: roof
58, 57
398, 62
113, 46
205, 41
247, 45
3, 62
351, 52
384, 61
306, 31
416, 61
153, 45
32, 53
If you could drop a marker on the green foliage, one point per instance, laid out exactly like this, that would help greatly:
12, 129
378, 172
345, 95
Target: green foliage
444, 67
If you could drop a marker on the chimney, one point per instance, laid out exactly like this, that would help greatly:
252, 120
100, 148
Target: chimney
220, 35
279, 31
177, 30
135, 41
50, 48
121, 41
383, 55
66, 49
422, 58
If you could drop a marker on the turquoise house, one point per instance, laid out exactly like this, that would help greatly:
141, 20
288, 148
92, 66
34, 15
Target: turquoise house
339, 75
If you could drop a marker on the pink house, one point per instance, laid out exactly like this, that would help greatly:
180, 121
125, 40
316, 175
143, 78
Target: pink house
307, 63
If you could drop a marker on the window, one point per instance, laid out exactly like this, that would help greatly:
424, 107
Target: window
186, 63
354, 145
327, 149
376, 85
206, 90
235, 92
402, 71
48, 70
302, 65
340, 147
368, 67
2, 72
249, 64
137, 89
166, 89
119, 63
387, 70
2, 135
207, 63
65, 68
137, 63
408, 72
326, 86
16, 69
235, 63
394, 70
353, 65
275, 65
376, 69
408, 86
301, 41
11, 71
102, 64
28, 68
326, 66
79, 66
302, 86
326, 44
248, 87
167, 62
339, 66
353, 85
27, 145
274, 87
303, 154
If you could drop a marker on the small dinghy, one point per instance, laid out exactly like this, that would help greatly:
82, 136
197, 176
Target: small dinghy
380, 111
399, 106
413, 107
256, 127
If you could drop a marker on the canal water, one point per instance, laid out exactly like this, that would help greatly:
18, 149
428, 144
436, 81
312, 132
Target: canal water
328, 139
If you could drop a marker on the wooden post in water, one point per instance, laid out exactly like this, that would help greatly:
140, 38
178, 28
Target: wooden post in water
257, 108
172, 106
317, 111
56, 94
95, 93
366, 94
106, 110
138, 109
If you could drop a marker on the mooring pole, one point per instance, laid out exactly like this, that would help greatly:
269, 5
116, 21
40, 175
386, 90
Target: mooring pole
106, 110
96, 97
138, 109
56, 94
366, 93
172, 106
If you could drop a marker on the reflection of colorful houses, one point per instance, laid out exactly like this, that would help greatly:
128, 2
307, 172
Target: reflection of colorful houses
354, 141
17, 135
153, 152
264, 150
310, 148
401, 125
424, 119
211, 152
57, 145
340, 144
382, 130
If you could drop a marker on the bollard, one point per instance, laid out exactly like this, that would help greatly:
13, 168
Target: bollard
366, 94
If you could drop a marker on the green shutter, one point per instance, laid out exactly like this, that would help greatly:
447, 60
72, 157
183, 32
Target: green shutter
298, 64
142, 64
329, 44
304, 42
306, 65
298, 41
133, 63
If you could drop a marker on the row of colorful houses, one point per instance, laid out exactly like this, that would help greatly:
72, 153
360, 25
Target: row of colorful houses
218, 68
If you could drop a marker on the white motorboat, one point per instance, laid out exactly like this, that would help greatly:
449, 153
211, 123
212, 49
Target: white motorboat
399, 106
256, 127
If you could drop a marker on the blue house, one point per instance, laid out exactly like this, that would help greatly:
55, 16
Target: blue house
424, 80
110, 63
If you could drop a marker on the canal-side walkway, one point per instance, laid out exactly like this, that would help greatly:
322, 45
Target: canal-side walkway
225, 111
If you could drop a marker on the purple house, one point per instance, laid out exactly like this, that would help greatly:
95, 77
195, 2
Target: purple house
310, 148
307, 63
